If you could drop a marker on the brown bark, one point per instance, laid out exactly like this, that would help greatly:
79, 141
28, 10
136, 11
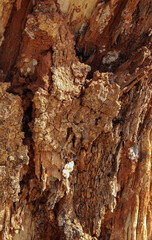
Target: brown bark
75, 120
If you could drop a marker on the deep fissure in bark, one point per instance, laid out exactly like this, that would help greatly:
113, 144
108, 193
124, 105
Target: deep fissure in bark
13, 35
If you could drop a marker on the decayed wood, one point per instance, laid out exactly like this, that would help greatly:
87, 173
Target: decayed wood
75, 120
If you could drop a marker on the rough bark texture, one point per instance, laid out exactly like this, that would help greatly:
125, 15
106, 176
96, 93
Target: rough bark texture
75, 119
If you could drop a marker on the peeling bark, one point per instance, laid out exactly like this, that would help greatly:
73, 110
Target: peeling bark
75, 120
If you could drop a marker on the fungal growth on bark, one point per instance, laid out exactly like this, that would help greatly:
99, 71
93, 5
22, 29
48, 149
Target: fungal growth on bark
75, 120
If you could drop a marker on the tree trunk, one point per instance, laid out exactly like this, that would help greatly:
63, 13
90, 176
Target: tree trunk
75, 120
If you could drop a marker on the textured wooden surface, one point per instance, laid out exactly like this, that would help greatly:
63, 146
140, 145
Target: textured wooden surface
75, 120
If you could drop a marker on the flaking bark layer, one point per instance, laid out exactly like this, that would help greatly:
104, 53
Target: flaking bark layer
75, 120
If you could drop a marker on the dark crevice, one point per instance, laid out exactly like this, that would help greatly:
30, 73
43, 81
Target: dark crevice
116, 121
27, 118
27, 121
89, 75
84, 56
121, 191
73, 141
81, 96
97, 120
69, 132
13, 35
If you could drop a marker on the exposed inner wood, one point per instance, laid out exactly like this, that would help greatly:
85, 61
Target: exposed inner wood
75, 120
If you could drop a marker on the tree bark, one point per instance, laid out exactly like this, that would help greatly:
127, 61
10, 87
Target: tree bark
75, 120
